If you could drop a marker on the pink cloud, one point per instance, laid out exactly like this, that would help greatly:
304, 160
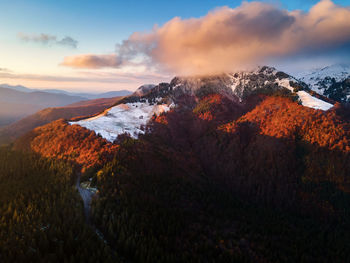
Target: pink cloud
230, 38
92, 61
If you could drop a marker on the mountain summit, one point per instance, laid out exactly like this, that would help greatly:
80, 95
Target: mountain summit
130, 114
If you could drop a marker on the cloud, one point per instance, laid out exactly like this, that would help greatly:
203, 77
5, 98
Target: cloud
93, 61
68, 41
4, 70
46, 39
231, 38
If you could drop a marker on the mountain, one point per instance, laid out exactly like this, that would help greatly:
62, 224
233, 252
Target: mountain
131, 114
86, 96
229, 169
17, 87
15, 104
42, 117
332, 81
39, 98
135, 111
93, 96
18, 102
109, 94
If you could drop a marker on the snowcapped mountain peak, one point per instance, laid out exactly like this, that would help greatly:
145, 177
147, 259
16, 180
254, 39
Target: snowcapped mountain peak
332, 81
238, 85
136, 110
233, 85
323, 78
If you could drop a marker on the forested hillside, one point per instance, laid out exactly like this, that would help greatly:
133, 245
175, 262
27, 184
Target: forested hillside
211, 182
74, 143
216, 180
42, 217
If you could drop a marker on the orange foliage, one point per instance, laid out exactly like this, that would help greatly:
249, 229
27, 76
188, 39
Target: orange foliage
207, 116
218, 108
160, 119
281, 118
60, 140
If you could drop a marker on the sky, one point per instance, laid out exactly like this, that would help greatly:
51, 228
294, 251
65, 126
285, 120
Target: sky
98, 46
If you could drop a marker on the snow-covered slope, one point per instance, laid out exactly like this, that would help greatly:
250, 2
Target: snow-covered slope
312, 102
123, 118
306, 99
314, 78
328, 81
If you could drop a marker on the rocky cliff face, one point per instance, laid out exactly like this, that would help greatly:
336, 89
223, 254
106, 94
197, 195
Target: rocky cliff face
235, 86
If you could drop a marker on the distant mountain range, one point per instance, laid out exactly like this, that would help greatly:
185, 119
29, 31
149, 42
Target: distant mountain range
42, 117
85, 95
17, 102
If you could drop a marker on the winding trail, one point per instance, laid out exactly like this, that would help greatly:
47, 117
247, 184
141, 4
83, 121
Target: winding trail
86, 195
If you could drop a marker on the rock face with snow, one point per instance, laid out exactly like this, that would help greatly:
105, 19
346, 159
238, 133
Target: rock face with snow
143, 90
136, 110
332, 81
238, 84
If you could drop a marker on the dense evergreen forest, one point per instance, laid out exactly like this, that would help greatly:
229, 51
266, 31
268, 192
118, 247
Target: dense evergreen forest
210, 181
208, 184
41, 213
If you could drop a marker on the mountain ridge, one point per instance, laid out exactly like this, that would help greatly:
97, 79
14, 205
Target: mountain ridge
44, 116
85, 95
235, 86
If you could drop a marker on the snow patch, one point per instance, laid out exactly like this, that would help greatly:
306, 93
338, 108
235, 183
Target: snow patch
285, 83
309, 101
306, 99
123, 118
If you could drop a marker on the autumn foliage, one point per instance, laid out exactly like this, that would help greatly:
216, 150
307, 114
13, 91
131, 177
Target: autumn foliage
60, 140
215, 181
280, 118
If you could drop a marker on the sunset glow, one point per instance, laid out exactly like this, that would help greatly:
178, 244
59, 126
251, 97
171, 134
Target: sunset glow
99, 46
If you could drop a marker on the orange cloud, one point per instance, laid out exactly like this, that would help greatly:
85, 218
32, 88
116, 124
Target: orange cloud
227, 39
92, 61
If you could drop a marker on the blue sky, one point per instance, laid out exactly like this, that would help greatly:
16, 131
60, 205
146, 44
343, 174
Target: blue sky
97, 26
